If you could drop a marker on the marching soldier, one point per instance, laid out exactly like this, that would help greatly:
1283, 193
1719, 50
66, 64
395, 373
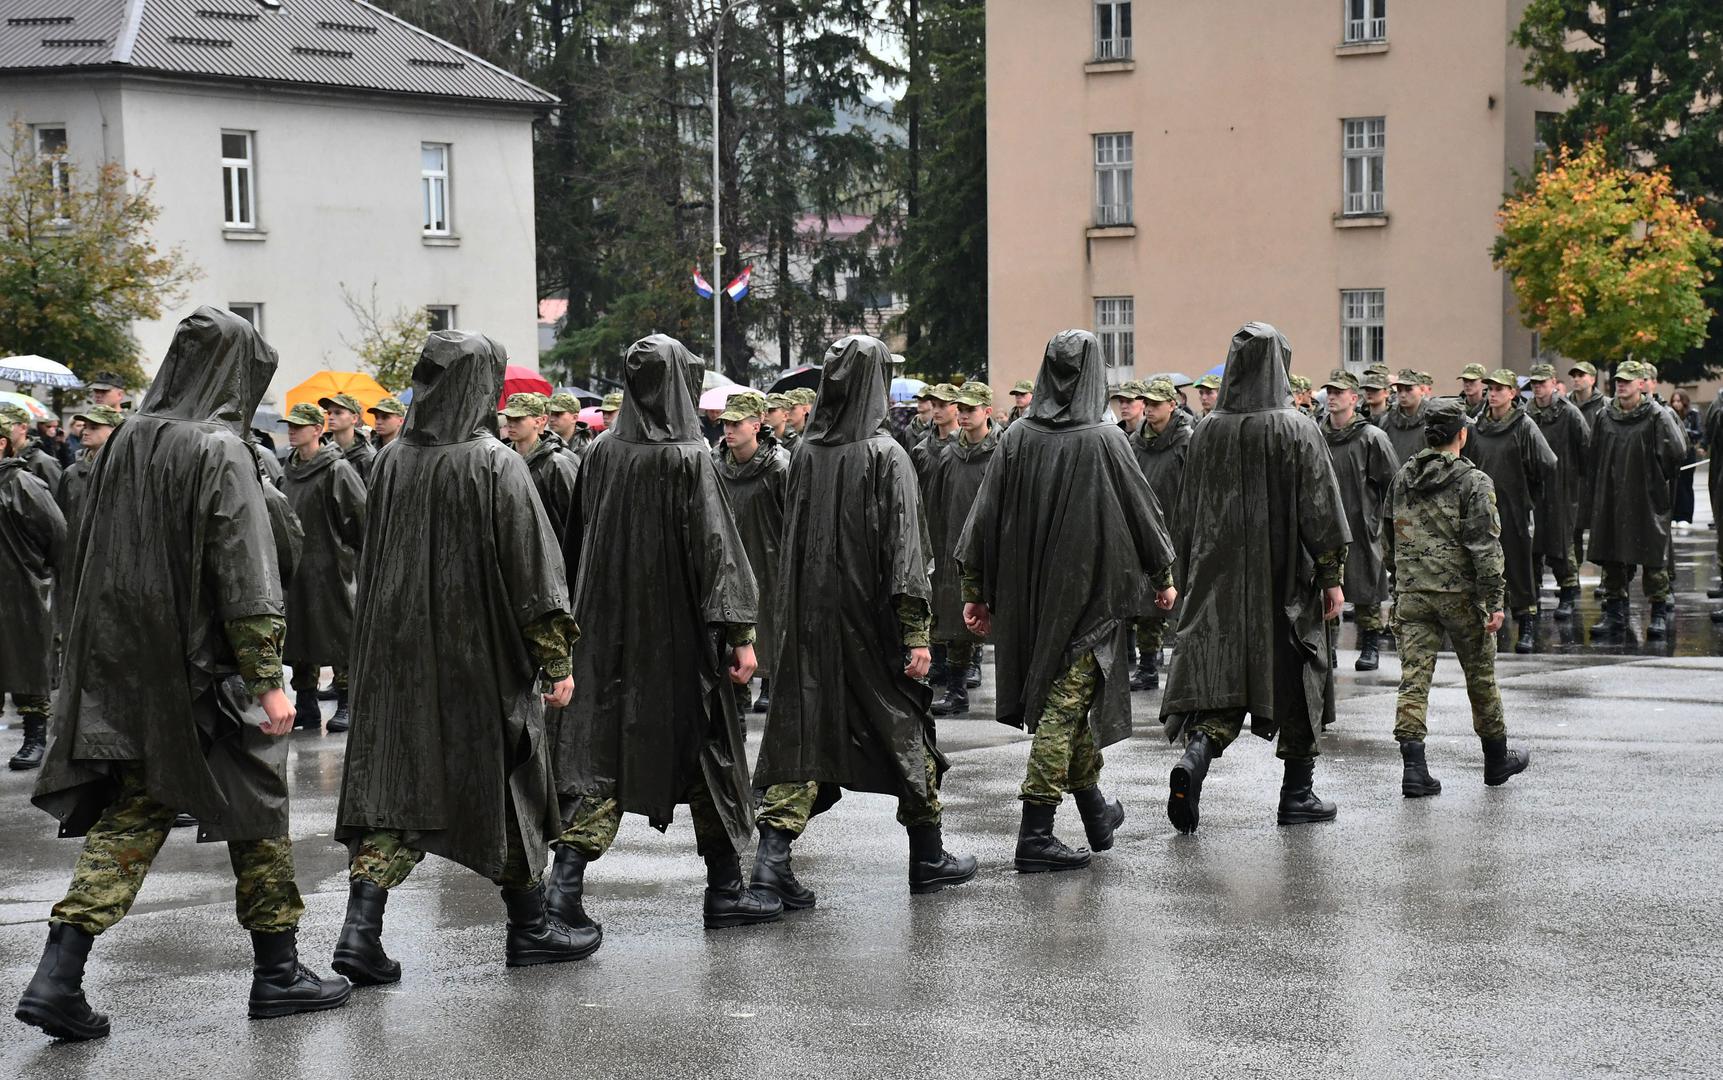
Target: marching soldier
1508, 446
1472, 389
387, 418
1569, 438
1161, 446
32, 540
1364, 466
755, 471
1404, 422
343, 412
952, 486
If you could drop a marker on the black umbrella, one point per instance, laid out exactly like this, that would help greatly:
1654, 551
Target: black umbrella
808, 377
582, 394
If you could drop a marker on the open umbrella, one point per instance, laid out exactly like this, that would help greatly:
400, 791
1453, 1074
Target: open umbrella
581, 394
712, 377
329, 383
798, 378
719, 396
522, 380
1178, 378
1218, 370
905, 389
38, 371
36, 409
592, 418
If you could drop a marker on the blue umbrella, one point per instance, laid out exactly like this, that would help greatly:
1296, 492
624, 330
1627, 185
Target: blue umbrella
905, 389
405, 397
1218, 370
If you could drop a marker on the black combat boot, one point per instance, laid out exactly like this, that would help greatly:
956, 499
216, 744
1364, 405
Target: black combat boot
1101, 816
536, 938
1415, 779
772, 871
54, 1000
1368, 658
956, 699
931, 867
972, 677
565, 889
342, 718
728, 903
1148, 673
1528, 641
328, 693
29, 755
938, 671
1038, 850
282, 986
1658, 628
1187, 781
764, 701
1613, 626
1566, 599
307, 714
1299, 805
1500, 763
359, 951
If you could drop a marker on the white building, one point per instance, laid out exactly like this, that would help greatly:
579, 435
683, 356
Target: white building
296, 146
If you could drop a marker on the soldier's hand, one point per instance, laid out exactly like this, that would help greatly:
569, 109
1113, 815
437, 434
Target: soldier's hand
743, 669
1333, 600
278, 709
979, 619
1166, 598
1494, 622
919, 661
560, 694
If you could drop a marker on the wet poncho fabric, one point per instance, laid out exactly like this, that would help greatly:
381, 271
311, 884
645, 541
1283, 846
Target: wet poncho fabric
69, 497
1405, 432
174, 543
328, 499
1364, 467
32, 539
843, 712
1556, 514
1634, 456
448, 723
1513, 453
1065, 535
952, 483
662, 571
554, 470
1258, 506
757, 490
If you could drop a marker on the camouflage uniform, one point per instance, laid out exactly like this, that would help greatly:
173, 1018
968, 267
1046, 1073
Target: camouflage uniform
1442, 543
1063, 756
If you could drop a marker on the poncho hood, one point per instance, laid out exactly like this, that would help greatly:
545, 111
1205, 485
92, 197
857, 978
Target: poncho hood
1255, 379
731, 469
1071, 389
1397, 419
456, 384
1149, 441
1487, 426
216, 370
327, 454
1645, 410
1432, 470
852, 402
1340, 436
965, 450
662, 379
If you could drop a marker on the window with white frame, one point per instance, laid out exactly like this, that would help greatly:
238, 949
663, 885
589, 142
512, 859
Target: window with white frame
434, 187
1112, 29
250, 311
1364, 156
238, 180
440, 316
1362, 326
1113, 179
50, 140
1115, 326
1366, 20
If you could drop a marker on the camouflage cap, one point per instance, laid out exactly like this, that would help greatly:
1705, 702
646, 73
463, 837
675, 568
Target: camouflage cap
342, 401
1116, 391
1023, 386
1299, 383
1630, 370
807, 395
1503, 377
1208, 382
13, 414
1443, 419
1540, 372
306, 414
1473, 371
782, 401
106, 415
1159, 390
1341, 379
388, 406
563, 403
1582, 367
523, 405
612, 402
975, 394
943, 392
1374, 378
1407, 377
748, 405
1426, 379
1650, 369
105, 380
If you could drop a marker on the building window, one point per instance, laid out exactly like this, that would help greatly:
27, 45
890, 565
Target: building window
434, 187
250, 312
237, 180
1364, 155
1366, 20
1543, 136
440, 317
1362, 328
1112, 29
1115, 325
1113, 179
50, 142
868, 294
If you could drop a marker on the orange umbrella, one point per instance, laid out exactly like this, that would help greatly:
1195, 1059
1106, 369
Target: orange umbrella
329, 383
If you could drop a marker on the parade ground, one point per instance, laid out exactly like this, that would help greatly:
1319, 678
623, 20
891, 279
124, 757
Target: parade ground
1564, 925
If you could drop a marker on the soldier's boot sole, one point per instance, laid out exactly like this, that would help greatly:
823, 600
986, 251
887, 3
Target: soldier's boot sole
1516, 763
361, 971
521, 956
275, 1010
1307, 814
792, 901
746, 908
60, 1024
1186, 790
1416, 787
1039, 865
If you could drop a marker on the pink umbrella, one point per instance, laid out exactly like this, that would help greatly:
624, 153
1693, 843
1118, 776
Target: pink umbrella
719, 396
522, 380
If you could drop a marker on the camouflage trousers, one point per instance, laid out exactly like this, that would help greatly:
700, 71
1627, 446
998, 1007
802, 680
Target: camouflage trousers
1152, 632
1618, 576
121, 845
384, 858
305, 677
960, 654
789, 807
1224, 726
1420, 620
1565, 570
31, 704
1063, 756
592, 828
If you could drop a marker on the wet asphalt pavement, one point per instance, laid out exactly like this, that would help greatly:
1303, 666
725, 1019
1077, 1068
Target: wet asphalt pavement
1565, 925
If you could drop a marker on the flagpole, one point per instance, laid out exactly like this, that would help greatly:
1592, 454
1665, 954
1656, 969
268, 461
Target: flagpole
717, 194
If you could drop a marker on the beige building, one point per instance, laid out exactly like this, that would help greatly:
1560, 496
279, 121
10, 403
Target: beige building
1161, 171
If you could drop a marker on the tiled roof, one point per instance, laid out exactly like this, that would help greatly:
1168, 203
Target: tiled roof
338, 44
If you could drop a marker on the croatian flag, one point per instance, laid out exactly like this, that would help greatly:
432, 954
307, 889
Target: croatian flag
739, 288
702, 286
